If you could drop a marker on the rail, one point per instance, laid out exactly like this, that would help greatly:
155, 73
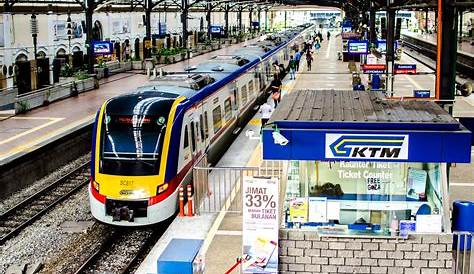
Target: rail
462, 252
32, 208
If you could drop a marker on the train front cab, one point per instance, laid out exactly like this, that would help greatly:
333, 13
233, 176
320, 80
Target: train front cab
124, 200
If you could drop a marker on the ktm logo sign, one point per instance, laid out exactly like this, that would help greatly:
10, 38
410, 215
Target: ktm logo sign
367, 146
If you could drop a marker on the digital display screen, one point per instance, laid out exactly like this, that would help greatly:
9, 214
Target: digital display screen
382, 45
358, 46
216, 29
102, 47
346, 29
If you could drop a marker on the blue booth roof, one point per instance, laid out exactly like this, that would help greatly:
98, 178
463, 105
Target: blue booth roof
363, 126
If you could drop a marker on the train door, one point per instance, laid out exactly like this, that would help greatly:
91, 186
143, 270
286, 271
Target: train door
235, 98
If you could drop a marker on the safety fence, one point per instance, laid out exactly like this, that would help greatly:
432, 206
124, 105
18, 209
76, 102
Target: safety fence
216, 188
462, 252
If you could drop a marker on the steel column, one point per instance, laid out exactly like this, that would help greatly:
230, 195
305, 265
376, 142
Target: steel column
390, 50
447, 50
373, 33
460, 25
90, 51
208, 19
184, 21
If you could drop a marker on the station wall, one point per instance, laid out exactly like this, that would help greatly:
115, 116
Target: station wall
52, 37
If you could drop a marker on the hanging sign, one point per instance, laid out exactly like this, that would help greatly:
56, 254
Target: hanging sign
405, 68
260, 225
374, 68
421, 93
358, 46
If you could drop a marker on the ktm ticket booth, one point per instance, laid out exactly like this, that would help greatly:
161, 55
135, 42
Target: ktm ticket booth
362, 167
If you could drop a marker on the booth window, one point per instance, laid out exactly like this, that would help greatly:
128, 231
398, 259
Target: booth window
362, 194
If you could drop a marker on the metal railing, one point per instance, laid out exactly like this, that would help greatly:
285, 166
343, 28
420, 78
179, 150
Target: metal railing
218, 188
462, 251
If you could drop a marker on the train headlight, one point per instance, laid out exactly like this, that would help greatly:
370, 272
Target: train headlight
162, 188
95, 185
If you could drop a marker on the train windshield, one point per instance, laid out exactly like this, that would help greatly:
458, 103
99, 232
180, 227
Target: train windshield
131, 145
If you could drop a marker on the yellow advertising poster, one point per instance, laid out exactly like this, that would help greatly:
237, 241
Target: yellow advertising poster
299, 210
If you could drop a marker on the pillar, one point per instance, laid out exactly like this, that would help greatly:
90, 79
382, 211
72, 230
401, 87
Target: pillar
447, 51
426, 20
208, 19
460, 25
8, 49
184, 21
390, 49
90, 54
373, 33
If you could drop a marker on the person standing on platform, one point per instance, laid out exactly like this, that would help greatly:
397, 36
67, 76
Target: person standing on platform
275, 86
298, 59
317, 45
309, 59
292, 65
266, 110
276, 69
329, 35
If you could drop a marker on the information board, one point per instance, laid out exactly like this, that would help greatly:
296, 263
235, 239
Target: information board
421, 93
374, 68
405, 68
260, 225
358, 46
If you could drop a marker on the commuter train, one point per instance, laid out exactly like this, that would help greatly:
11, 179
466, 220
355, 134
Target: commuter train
145, 143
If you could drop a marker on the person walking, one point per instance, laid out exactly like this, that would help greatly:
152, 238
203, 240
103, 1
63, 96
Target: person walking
292, 66
309, 59
298, 59
266, 110
275, 87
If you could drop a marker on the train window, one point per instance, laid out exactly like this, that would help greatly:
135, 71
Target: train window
217, 118
243, 94
251, 89
206, 125
227, 109
201, 123
186, 137
193, 137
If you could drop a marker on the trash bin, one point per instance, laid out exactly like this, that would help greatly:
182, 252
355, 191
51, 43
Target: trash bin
463, 220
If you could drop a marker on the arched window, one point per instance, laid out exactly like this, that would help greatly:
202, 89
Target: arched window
21, 58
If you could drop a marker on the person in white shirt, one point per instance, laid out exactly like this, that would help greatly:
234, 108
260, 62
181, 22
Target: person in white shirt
266, 110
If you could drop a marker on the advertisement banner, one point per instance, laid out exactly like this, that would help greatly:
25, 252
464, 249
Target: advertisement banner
60, 30
366, 146
102, 47
121, 26
260, 225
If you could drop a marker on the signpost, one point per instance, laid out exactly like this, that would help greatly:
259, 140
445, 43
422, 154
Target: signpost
260, 225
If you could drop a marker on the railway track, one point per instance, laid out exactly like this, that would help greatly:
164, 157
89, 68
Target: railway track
32, 208
121, 252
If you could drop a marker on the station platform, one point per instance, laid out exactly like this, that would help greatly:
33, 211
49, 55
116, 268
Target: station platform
464, 47
221, 231
22, 134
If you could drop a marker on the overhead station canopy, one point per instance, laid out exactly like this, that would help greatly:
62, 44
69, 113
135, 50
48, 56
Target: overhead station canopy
364, 126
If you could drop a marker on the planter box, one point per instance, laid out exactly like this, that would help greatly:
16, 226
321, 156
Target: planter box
48, 95
126, 66
137, 65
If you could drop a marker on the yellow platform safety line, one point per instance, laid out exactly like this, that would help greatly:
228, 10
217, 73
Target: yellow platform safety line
30, 145
255, 160
255, 122
34, 129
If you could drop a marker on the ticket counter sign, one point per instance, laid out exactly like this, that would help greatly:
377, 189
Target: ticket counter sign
260, 225
374, 68
358, 46
405, 68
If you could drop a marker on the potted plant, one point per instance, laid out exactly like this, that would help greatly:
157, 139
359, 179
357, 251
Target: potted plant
137, 63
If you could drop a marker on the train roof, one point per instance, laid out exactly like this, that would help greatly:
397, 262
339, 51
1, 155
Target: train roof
198, 81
